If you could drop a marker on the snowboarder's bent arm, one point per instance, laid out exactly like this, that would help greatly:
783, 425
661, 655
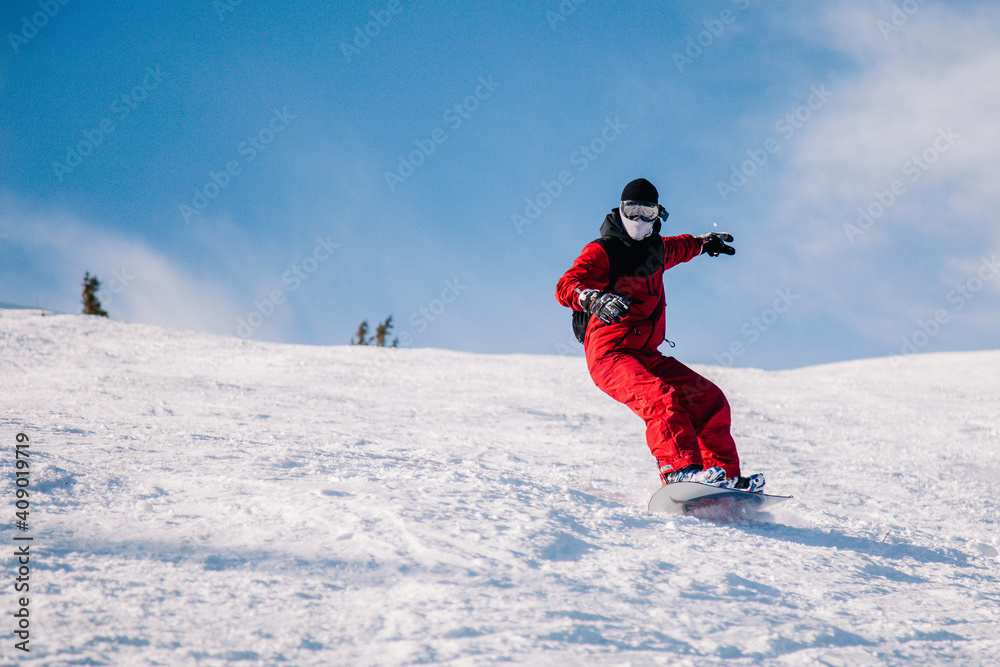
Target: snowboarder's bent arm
589, 271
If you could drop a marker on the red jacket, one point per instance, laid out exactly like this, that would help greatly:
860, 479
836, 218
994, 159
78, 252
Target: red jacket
640, 266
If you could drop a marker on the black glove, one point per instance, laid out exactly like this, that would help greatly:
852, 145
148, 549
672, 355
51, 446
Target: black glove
605, 306
715, 244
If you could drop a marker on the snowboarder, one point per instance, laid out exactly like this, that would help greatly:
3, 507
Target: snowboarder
615, 288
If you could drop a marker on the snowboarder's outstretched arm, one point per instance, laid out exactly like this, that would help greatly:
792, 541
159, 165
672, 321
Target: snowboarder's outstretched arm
680, 249
591, 270
685, 247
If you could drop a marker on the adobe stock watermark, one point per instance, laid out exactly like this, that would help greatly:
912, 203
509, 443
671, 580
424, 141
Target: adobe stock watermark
959, 298
754, 328
562, 12
703, 39
425, 315
899, 17
913, 168
363, 35
223, 7
293, 279
30, 25
120, 109
786, 126
119, 282
383, 360
248, 149
581, 159
452, 119
569, 347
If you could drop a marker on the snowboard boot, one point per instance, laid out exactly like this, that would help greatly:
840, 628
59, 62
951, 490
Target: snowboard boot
754, 483
694, 473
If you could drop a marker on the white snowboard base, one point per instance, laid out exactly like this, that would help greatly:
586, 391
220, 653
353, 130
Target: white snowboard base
688, 497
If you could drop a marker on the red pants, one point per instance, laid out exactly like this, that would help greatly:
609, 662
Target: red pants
687, 417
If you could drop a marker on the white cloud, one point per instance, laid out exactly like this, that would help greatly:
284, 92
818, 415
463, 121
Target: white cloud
936, 73
916, 106
139, 284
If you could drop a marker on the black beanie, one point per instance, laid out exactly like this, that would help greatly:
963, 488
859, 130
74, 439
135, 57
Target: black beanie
640, 190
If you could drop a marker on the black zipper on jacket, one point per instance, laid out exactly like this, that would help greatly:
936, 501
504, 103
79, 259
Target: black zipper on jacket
635, 329
622, 338
652, 328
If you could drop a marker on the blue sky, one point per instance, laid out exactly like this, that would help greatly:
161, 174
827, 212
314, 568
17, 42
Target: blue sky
283, 171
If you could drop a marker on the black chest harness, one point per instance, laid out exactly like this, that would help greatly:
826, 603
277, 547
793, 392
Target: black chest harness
638, 260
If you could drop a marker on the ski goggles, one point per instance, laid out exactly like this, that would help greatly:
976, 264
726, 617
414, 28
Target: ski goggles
644, 211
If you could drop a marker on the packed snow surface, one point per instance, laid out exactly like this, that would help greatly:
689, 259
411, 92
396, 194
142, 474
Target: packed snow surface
202, 500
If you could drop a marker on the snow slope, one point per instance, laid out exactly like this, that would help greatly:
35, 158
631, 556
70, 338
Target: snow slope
202, 500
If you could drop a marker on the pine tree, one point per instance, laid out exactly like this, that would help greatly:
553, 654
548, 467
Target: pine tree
362, 337
382, 331
91, 304
380, 337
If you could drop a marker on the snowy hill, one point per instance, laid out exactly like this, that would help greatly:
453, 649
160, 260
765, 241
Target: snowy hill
201, 500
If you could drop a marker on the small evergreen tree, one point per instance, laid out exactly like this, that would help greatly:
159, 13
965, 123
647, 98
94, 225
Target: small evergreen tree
382, 332
91, 304
362, 337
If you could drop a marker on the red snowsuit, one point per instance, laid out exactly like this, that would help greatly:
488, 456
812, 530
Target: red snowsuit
687, 417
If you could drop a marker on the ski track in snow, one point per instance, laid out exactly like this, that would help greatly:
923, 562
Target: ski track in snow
204, 500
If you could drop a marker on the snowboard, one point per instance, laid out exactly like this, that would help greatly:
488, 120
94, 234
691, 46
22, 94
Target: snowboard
690, 497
